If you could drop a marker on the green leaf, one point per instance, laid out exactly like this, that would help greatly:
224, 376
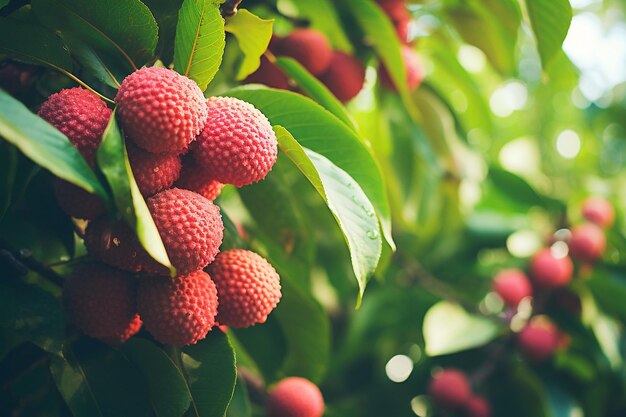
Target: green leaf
448, 328
318, 130
8, 168
211, 373
166, 384
315, 89
550, 20
119, 30
240, 404
166, 14
200, 41
45, 145
253, 36
609, 290
113, 162
33, 44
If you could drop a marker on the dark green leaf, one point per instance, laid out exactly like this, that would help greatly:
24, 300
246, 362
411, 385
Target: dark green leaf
240, 404
8, 167
550, 20
166, 14
253, 36
200, 41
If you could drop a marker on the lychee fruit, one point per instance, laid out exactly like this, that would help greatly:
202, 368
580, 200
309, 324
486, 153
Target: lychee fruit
309, 47
81, 116
295, 397
512, 285
237, 144
178, 311
550, 271
587, 242
190, 226
153, 172
198, 180
344, 77
160, 110
477, 406
449, 389
395, 9
599, 211
414, 70
539, 339
248, 287
270, 75
402, 30
101, 301
78, 202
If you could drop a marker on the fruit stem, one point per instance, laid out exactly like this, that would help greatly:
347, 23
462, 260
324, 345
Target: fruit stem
229, 8
20, 261
84, 84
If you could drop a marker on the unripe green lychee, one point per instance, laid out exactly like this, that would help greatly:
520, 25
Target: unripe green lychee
295, 397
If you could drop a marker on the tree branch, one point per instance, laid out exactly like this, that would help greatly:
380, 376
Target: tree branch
20, 261
229, 8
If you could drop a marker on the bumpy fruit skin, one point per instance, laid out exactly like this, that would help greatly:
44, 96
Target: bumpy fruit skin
599, 211
344, 77
539, 339
449, 389
549, 271
178, 311
195, 179
309, 47
295, 397
161, 110
77, 202
237, 144
190, 226
101, 301
477, 406
153, 172
587, 242
270, 75
81, 116
248, 286
414, 70
512, 285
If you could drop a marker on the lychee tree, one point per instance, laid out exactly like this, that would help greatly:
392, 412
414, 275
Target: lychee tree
195, 195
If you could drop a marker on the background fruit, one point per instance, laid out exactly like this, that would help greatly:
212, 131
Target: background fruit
599, 211
270, 75
477, 406
309, 47
539, 339
587, 242
449, 389
512, 285
295, 397
414, 70
345, 76
549, 271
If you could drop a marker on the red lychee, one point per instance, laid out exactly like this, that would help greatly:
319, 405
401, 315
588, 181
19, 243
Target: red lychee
309, 47
161, 110
549, 271
191, 229
81, 116
153, 172
295, 397
449, 389
512, 285
599, 211
199, 181
414, 70
395, 9
344, 77
402, 30
477, 406
587, 242
248, 287
100, 301
178, 311
78, 202
237, 144
270, 75
539, 339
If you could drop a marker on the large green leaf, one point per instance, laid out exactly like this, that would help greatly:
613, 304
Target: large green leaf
8, 168
45, 145
240, 404
550, 20
166, 14
200, 41
345, 199
318, 130
118, 30
448, 328
253, 36
113, 162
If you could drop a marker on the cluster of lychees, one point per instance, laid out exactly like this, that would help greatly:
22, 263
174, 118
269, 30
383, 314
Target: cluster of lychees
450, 390
182, 149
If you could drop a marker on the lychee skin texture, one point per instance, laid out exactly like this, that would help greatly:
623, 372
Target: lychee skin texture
295, 397
190, 226
178, 311
477, 406
414, 70
449, 389
101, 301
538, 340
551, 272
248, 286
587, 242
270, 75
512, 285
237, 145
160, 110
153, 172
194, 179
599, 211
77, 202
344, 77
309, 47
81, 116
